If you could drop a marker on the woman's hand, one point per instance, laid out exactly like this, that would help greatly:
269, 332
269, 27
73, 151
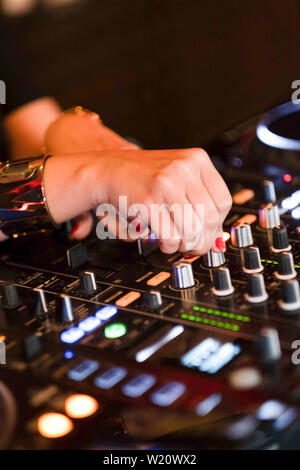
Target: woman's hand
80, 182
77, 131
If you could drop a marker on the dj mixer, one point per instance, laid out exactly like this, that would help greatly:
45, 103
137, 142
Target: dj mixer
108, 344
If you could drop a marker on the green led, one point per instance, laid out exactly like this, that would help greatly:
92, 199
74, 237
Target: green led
195, 307
116, 330
209, 310
224, 314
297, 266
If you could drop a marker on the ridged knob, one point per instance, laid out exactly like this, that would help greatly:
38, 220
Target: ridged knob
241, 235
183, 275
269, 216
213, 259
290, 295
87, 282
252, 262
285, 267
269, 191
10, 297
256, 290
222, 282
64, 309
152, 299
41, 307
268, 345
280, 239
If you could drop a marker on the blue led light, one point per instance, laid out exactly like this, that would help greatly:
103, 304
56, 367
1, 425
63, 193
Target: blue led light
207, 405
168, 393
89, 324
106, 312
110, 377
296, 213
83, 370
138, 385
68, 354
72, 335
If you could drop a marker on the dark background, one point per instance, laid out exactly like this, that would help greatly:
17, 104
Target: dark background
171, 73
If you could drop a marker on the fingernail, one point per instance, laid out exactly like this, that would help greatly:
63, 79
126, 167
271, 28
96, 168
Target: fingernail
219, 245
74, 229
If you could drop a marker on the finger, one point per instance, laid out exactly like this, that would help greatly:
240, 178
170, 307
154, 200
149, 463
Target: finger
216, 188
208, 214
162, 225
82, 226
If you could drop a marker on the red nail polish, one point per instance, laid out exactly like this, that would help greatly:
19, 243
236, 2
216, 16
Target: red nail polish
220, 244
74, 229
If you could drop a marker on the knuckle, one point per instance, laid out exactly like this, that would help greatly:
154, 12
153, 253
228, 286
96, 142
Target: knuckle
211, 219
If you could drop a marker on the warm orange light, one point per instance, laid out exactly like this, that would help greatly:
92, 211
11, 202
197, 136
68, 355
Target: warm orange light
226, 236
54, 425
243, 196
2, 339
81, 406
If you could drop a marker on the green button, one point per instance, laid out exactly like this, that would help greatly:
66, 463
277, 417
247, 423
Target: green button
116, 330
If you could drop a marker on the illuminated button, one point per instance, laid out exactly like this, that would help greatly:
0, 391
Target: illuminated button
54, 425
270, 410
83, 370
128, 299
245, 378
168, 393
72, 335
81, 406
158, 279
189, 259
68, 354
139, 385
247, 219
243, 196
207, 405
89, 324
110, 377
116, 330
106, 312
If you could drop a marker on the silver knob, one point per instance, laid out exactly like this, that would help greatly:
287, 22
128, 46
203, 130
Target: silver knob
268, 345
213, 259
65, 310
241, 235
269, 216
269, 191
183, 275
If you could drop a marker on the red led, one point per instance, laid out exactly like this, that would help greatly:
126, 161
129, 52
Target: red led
287, 178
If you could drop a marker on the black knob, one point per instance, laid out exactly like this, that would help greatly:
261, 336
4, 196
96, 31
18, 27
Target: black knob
268, 345
152, 299
87, 282
41, 307
64, 312
285, 267
252, 262
10, 297
280, 239
222, 282
256, 291
290, 295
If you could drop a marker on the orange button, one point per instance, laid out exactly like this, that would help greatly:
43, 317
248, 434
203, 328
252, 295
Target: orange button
54, 425
247, 219
189, 259
243, 196
158, 279
128, 299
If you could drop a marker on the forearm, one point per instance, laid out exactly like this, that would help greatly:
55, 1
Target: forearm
26, 127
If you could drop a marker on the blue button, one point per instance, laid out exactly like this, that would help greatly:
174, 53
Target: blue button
110, 377
139, 385
72, 335
168, 393
89, 324
83, 370
106, 312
